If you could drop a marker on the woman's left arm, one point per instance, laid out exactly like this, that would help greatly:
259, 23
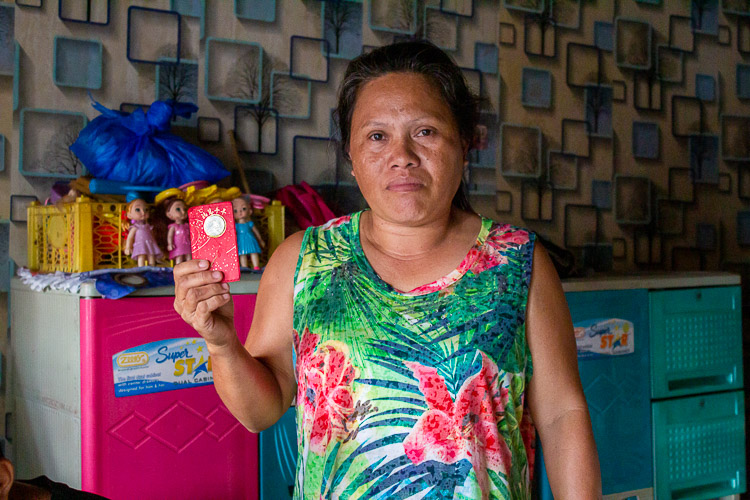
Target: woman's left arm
558, 406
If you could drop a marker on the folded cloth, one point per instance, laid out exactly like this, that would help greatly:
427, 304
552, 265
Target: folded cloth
69, 282
111, 283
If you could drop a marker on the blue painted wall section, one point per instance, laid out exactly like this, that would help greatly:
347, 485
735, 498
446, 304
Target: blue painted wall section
77, 63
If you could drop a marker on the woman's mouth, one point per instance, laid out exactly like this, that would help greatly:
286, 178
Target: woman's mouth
404, 186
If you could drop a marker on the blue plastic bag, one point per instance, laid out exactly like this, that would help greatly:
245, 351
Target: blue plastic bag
138, 148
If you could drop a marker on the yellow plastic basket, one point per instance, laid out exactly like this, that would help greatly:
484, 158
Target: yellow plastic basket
271, 227
76, 237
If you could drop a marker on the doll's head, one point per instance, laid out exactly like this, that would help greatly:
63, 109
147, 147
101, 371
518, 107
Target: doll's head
176, 210
137, 210
242, 209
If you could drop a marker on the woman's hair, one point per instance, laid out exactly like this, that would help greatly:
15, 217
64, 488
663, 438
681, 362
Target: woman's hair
423, 58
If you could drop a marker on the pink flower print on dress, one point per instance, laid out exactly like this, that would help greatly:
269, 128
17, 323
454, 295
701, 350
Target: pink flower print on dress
489, 257
507, 235
336, 222
325, 379
465, 429
432, 287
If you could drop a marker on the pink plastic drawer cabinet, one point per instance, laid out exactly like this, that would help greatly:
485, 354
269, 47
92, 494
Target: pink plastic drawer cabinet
91, 406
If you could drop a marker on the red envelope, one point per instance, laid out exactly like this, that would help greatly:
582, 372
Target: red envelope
213, 238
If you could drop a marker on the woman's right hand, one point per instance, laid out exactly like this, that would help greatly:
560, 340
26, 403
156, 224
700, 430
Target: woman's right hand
204, 303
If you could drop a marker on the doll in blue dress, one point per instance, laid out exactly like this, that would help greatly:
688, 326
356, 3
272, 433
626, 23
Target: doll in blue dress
249, 241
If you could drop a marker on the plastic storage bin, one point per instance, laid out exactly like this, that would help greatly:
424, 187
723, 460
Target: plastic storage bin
696, 346
278, 458
616, 385
69, 423
685, 371
699, 446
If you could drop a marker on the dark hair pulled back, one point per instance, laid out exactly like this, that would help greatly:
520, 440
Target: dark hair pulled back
421, 57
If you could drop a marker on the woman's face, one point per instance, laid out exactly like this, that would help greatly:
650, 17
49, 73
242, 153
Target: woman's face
138, 211
406, 150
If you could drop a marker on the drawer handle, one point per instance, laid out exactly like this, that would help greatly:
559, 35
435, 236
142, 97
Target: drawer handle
690, 383
707, 490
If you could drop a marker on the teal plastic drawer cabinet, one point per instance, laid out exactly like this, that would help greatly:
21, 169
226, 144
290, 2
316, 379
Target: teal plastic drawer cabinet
699, 446
660, 361
696, 344
278, 458
614, 383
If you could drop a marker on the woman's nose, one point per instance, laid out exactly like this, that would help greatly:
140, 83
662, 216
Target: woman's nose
403, 154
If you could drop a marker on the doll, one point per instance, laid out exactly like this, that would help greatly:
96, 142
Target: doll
140, 245
248, 236
178, 236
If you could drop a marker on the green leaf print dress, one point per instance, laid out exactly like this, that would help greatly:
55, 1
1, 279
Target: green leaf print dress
412, 395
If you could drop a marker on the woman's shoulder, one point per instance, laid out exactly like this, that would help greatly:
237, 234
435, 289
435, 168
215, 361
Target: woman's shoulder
283, 261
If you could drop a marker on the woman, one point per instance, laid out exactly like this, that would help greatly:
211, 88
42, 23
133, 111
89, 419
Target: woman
406, 332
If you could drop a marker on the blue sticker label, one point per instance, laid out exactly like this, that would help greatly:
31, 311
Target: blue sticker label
160, 366
604, 337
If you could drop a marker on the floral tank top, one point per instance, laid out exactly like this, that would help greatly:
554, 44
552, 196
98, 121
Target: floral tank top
412, 395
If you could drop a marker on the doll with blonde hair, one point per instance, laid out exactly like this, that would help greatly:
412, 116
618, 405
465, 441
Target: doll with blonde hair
249, 241
140, 244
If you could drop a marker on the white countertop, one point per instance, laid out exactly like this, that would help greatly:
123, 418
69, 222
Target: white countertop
651, 281
248, 284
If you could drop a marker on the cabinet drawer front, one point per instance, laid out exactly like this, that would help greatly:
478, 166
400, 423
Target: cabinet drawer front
699, 446
278, 458
696, 341
616, 386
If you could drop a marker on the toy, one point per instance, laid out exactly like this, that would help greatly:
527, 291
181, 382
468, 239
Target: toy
249, 240
62, 192
213, 238
178, 236
140, 244
199, 194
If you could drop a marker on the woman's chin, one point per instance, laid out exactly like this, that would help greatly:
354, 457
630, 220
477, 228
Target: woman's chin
409, 211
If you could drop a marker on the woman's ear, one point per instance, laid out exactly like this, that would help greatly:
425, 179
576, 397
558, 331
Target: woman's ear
7, 475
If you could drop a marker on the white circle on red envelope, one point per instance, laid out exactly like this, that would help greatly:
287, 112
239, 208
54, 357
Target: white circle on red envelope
214, 225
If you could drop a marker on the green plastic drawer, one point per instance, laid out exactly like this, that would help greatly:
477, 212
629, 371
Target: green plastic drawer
696, 341
699, 446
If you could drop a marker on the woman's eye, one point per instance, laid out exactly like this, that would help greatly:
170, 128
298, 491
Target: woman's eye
377, 136
424, 132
